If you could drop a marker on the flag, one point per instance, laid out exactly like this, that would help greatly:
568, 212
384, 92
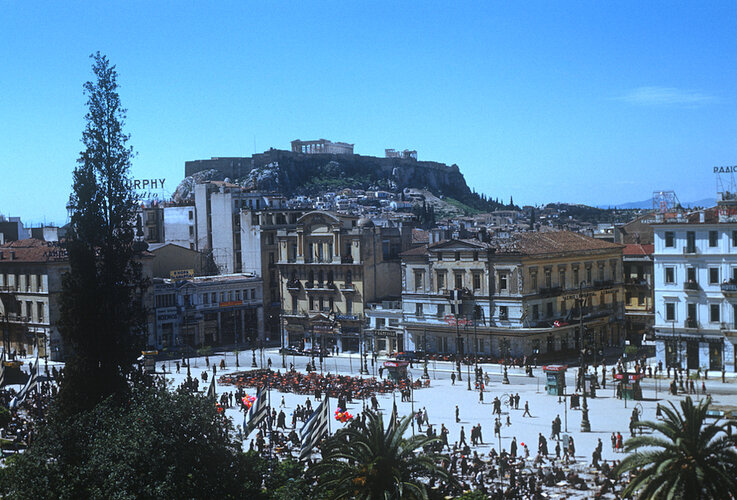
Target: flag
211, 390
392, 420
256, 414
33, 379
314, 429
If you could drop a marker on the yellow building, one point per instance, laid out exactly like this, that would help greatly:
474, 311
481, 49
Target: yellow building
523, 295
331, 265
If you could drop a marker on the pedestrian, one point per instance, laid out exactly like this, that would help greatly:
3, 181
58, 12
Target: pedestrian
557, 450
571, 447
527, 410
516, 401
513, 447
481, 396
509, 422
703, 387
614, 439
462, 439
453, 378
283, 404
458, 418
177, 364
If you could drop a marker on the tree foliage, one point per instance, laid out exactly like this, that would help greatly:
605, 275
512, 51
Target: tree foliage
101, 303
160, 444
693, 460
365, 461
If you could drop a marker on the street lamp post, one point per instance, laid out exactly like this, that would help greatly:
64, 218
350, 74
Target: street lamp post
459, 345
424, 349
585, 424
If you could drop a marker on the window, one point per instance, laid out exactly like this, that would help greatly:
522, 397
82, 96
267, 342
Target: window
253, 294
222, 296
533, 281
331, 303
691, 316
690, 242
734, 238
475, 256
29, 310
503, 281
440, 255
535, 311
670, 275
670, 311
441, 310
476, 281
458, 256
714, 313
503, 312
575, 277
191, 215
459, 280
548, 278
614, 271
670, 240
40, 311
191, 231
205, 298
588, 275
214, 298
418, 310
550, 309
441, 280
312, 303
418, 280
713, 275
691, 274
562, 278
39, 283
713, 238
601, 272
562, 307
237, 295
641, 299
380, 322
294, 304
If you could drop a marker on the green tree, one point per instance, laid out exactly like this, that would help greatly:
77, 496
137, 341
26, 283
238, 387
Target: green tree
161, 444
367, 462
101, 302
693, 460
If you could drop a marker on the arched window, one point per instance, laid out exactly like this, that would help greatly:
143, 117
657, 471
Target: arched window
319, 277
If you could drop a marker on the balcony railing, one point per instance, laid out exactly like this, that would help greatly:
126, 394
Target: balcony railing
729, 288
550, 291
691, 286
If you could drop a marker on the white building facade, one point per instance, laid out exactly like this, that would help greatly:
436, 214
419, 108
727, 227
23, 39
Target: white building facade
695, 264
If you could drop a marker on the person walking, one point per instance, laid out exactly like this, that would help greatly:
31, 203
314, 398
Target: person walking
462, 439
527, 410
458, 418
453, 378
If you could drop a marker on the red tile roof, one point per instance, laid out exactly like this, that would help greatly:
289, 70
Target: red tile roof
32, 250
637, 249
534, 243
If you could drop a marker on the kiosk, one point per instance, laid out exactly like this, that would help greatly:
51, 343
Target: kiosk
396, 370
629, 384
555, 379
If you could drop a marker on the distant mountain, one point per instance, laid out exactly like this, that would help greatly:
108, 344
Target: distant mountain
648, 204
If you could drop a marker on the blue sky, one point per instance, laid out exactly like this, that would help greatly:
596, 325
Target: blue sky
585, 102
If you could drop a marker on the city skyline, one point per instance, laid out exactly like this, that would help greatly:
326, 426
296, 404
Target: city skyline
569, 102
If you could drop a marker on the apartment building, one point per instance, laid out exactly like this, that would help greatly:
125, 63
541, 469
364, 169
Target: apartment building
523, 295
695, 263
639, 309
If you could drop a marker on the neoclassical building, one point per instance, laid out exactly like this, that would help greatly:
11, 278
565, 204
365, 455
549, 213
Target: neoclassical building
331, 266
523, 295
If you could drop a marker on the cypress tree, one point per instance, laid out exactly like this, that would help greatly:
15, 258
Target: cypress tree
102, 313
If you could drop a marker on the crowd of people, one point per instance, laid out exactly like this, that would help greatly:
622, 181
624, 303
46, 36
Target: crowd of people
317, 384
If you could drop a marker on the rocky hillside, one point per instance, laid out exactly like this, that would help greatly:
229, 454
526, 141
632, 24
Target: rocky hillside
313, 174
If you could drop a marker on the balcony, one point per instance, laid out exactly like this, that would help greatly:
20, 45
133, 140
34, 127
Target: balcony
346, 260
729, 288
636, 282
691, 286
293, 285
550, 291
691, 323
319, 287
348, 288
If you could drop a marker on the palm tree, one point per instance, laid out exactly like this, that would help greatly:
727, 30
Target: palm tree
365, 461
694, 460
